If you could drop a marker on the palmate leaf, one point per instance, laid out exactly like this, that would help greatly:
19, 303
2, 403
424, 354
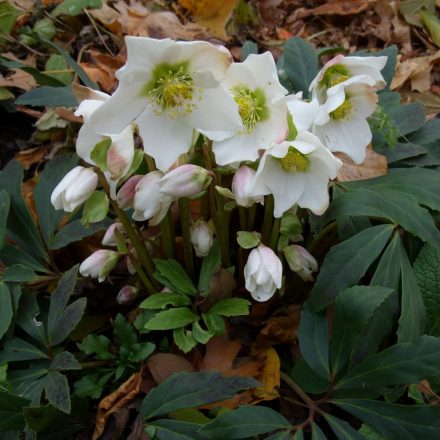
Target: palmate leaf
346, 263
171, 274
57, 391
188, 390
396, 422
342, 429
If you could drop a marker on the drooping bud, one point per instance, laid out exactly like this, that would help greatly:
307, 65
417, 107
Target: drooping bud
110, 235
127, 295
201, 238
126, 194
75, 188
99, 264
263, 273
241, 184
185, 181
301, 261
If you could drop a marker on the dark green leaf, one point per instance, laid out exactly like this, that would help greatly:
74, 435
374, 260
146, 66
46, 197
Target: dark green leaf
75, 7
46, 96
353, 308
317, 433
211, 264
6, 310
57, 391
18, 273
408, 118
396, 422
286, 435
96, 344
347, 262
57, 67
171, 319
176, 430
342, 429
307, 378
17, 349
96, 208
4, 211
300, 63
313, 340
231, 307
54, 170
399, 364
21, 226
28, 383
92, 385
11, 417
65, 361
184, 339
125, 334
243, 422
370, 433
175, 276
214, 323
141, 351
160, 300
249, 48
401, 152
428, 133
188, 390
11, 255
29, 319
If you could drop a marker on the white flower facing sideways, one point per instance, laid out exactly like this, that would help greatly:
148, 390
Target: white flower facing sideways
170, 89
121, 152
202, 238
99, 264
241, 186
296, 172
256, 89
301, 261
263, 273
74, 189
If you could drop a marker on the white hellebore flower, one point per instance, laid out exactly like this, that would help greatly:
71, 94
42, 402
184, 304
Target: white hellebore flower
341, 68
241, 186
341, 122
99, 264
263, 273
121, 152
170, 89
301, 261
110, 238
256, 89
297, 172
185, 181
75, 188
126, 193
149, 203
201, 238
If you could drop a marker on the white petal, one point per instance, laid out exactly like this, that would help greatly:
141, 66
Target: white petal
121, 153
239, 148
315, 196
88, 106
303, 113
370, 66
164, 138
364, 101
86, 141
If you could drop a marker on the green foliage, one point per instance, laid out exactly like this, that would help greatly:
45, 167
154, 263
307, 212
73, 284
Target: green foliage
96, 208
75, 7
248, 240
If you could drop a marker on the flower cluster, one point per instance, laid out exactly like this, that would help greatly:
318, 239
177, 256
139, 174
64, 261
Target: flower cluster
182, 98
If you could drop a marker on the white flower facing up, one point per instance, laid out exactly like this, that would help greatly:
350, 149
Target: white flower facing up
263, 273
99, 264
149, 203
301, 261
341, 122
297, 172
256, 89
121, 152
201, 238
341, 68
74, 189
170, 89
241, 186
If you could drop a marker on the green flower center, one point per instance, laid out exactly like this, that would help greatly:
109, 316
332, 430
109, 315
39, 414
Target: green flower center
335, 75
171, 88
251, 106
343, 111
295, 161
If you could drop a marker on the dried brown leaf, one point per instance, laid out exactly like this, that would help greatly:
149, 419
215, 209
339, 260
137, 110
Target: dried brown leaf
351, 7
163, 365
270, 374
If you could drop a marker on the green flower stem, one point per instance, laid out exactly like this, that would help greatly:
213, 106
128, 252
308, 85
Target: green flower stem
242, 216
266, 229
275, 234
251, 217
185, 221
167, 233
324, 233
133, 235
295, 387
141, 274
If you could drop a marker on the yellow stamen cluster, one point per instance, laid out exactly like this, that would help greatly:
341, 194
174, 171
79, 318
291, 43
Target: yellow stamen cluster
295, 161
251, 106
343, 111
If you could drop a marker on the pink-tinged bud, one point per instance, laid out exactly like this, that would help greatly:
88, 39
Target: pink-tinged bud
149, 203
263, 273
99, 264
127, 295
201, 238
121, 153
110, 235
185, 181
126, 194
129, 264
75, 188
301, 261
241, 184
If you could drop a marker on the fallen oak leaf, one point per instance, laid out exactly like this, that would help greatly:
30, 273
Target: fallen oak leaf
351, 7
164, 365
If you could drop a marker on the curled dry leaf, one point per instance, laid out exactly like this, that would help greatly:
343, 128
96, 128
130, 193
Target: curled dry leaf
163, 365
116, 400
270, 374
374, 165
350, 7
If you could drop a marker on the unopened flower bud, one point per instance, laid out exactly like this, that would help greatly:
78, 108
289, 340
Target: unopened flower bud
75, 188
301, 261
99, 264
185, 181
263, 273
126, 194
110, 235
201, 238
129, 264
127, 295
241, 184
